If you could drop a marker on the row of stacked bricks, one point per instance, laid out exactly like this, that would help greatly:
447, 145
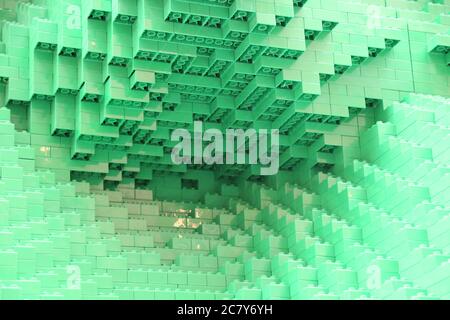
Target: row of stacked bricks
48, 232
344, 239
98, 86
378, 229
123, 245
41, 226
66, 241
285, 243
397, 196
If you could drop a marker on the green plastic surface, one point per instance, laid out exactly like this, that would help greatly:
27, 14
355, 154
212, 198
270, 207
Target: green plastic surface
93, 207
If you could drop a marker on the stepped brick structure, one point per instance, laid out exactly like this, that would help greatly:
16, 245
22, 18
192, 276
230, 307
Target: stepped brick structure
92, 205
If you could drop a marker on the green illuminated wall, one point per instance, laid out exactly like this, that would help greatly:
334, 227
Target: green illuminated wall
92, 207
